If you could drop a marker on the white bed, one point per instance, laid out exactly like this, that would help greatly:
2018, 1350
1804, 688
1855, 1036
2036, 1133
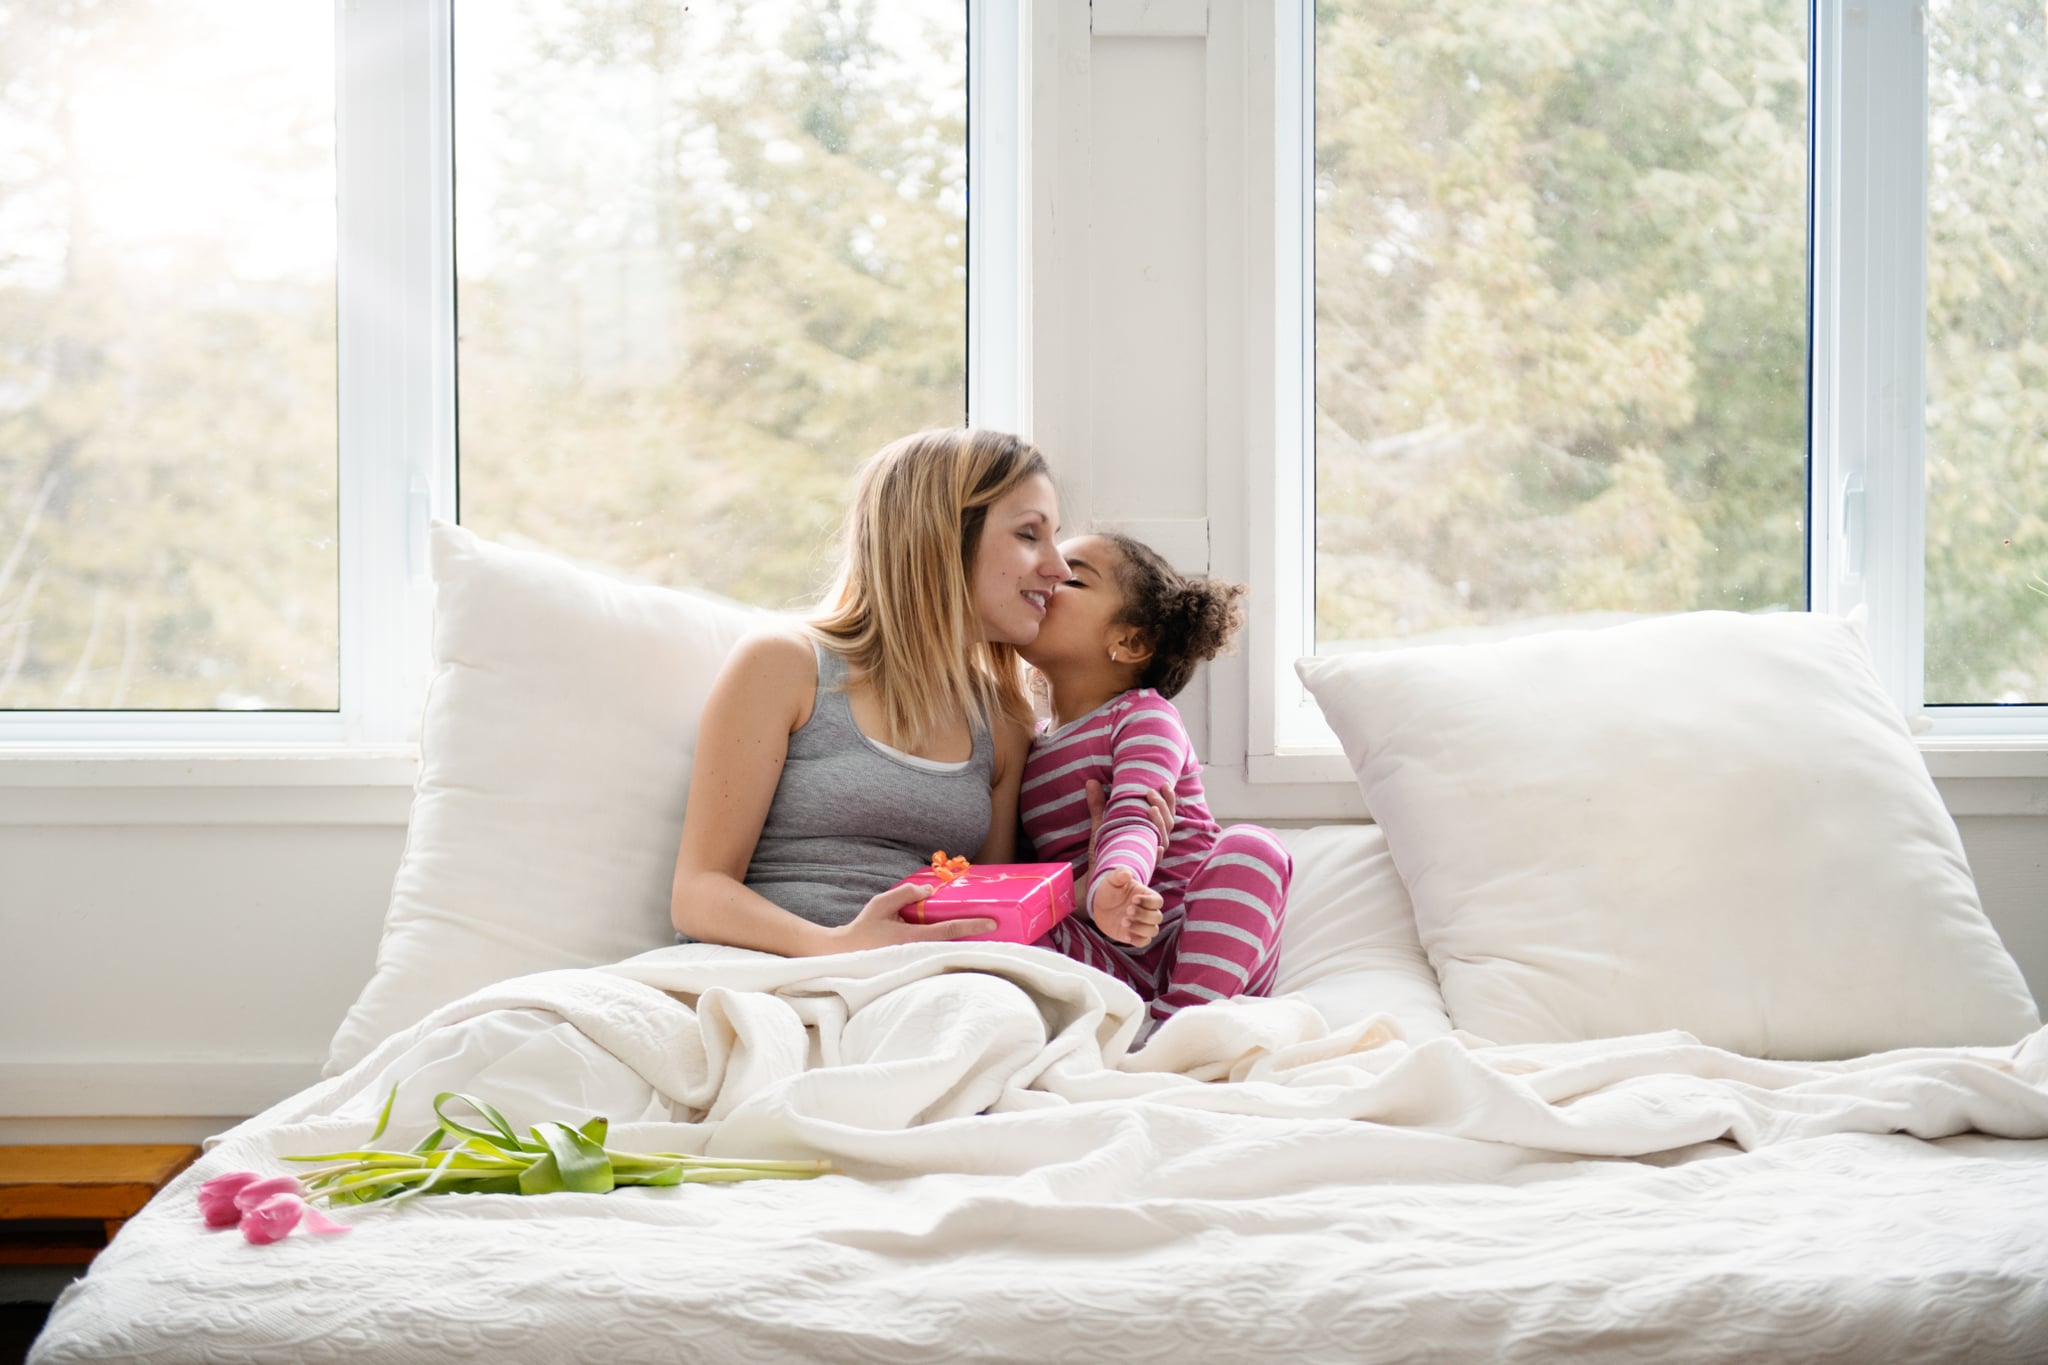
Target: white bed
1385, 1191
1647, 1163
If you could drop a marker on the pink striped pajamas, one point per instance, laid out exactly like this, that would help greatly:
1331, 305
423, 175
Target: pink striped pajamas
1225, 889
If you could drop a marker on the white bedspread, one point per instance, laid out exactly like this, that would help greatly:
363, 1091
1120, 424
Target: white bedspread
1019, 1188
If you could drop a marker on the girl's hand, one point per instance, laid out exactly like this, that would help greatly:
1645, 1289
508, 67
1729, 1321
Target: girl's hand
1126, 909
880, 924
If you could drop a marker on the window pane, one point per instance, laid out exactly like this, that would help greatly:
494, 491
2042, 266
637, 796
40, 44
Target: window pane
1560, 312
167, 354
709, 258
1987, 352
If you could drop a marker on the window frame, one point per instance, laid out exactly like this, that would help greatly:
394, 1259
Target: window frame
1866, 454
396, 397
394, 410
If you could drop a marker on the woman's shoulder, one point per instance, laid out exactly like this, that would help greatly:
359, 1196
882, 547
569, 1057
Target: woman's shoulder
766, 685
775, 667
777, 651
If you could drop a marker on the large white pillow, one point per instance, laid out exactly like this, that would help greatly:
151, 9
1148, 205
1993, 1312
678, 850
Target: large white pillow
1348, 944
1711, 822
555, 751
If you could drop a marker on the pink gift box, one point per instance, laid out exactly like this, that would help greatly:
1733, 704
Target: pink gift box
1024, 899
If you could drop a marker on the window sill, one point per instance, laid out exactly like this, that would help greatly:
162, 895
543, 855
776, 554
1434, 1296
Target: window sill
211, 785
1990, 756
111, 785
1976, 775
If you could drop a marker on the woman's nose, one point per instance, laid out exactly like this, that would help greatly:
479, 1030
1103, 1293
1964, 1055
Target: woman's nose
1058, 567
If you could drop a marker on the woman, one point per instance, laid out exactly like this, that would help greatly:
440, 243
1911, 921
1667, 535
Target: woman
830, 765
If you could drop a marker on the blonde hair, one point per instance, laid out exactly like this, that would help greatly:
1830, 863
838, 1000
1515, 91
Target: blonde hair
902, 608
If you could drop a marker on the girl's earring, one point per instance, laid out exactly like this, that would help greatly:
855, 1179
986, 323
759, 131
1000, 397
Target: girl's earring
1112, 656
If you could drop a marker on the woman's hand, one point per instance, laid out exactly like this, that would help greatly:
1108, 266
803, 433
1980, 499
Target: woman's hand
1159, 804
1126, 909
880, 923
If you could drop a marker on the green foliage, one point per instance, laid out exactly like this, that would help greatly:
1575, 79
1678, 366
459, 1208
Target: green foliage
729, 263
1561, 320
1987, 351
1560, 289
711, 258
793, 246
167, 441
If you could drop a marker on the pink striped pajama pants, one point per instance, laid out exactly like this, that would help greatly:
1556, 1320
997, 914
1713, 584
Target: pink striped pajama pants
1219, 937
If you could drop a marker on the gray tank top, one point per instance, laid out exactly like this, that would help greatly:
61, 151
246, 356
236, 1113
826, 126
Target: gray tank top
850, 819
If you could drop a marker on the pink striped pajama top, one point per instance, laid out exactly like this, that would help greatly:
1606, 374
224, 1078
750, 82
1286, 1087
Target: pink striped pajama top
1132, 743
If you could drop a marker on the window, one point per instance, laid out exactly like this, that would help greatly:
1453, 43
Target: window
168, 480
1987, 353
704, 259
1559, 361
1560, 315
708, 259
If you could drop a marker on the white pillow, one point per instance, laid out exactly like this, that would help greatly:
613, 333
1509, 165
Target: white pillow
555, 750
1348, 944
1711, 822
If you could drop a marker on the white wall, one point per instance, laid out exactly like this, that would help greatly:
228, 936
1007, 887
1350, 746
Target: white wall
180, 941
176, 957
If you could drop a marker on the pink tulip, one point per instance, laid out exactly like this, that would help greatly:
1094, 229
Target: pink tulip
276, 1216
319, 1222
258, 1191
267, 1209
217, 1197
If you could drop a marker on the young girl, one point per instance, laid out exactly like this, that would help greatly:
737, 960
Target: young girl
1198, 919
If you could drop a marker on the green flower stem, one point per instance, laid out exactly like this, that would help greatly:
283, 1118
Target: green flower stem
725, 1163
705, 1177
497, 1160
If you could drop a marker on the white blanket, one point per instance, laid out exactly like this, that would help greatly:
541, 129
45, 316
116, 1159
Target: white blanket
1007, 1161
994, 1058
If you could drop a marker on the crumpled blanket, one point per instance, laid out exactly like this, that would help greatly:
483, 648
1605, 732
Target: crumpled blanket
998, 1058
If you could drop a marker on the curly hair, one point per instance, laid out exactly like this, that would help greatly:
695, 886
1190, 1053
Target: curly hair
1186, 619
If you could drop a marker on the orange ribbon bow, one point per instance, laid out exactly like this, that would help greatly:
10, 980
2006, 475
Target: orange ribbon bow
946, 869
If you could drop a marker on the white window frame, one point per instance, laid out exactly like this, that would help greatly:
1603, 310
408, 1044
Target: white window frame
998, 228
396, 399
1868, 521
395, 437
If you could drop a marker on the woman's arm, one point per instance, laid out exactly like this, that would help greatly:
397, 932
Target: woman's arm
1013, 746
763, 694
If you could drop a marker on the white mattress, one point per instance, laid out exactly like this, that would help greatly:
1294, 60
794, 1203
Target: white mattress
1843, 1248
1017, 1187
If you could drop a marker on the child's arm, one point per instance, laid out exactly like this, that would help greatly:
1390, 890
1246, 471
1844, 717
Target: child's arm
1149, 749
1126, 909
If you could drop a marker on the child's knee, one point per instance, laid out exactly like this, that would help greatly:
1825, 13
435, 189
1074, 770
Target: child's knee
1260, 845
